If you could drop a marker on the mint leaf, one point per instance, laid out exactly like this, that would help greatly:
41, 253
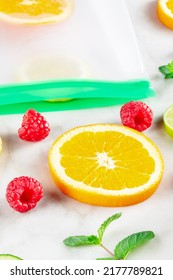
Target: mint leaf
106, 223
81, 240
129, 243
169, 76
164, 70
167, 70
170, 66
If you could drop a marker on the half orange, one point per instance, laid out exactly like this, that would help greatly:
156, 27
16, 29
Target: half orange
35, 11
106, 165
165, 12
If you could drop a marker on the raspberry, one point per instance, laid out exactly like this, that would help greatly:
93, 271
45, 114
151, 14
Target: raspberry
137, 115
23, 193
34, 127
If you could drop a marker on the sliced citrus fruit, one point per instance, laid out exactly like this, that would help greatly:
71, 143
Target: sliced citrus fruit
46, 67
106, 165
168, 120
165, 12
9, 257
35, 11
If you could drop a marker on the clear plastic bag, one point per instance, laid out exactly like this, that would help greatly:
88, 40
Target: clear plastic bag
98, 37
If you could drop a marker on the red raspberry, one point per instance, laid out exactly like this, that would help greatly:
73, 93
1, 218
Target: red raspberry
137, 115
34, 127
23, 193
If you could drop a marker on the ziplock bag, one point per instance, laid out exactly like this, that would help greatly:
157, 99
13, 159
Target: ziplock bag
97, 39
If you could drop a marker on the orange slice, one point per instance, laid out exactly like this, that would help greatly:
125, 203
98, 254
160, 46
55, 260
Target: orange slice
165, 12
35, 11
106, 165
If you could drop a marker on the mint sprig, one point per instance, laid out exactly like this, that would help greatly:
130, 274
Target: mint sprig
122, 248
167, 70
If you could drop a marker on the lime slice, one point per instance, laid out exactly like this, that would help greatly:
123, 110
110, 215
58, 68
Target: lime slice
168, 120
9, 257
46, 67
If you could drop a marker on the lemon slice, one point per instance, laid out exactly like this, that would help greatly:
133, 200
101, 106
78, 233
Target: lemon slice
51, 67
168, 120
46, 67
165, 12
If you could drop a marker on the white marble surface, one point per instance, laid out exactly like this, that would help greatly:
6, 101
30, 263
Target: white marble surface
39, 233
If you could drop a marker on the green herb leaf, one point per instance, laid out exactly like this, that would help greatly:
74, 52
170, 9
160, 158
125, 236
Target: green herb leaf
167, 70
81, 240
129, 243
106, 223
169, 76
164, 70
170, 66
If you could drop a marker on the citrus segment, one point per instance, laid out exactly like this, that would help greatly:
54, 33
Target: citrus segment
165, 12
107, 165
168, 120
35, 11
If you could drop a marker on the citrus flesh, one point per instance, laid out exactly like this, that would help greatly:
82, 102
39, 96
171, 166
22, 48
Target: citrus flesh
165, 12
168, 120
35, 11
106, 165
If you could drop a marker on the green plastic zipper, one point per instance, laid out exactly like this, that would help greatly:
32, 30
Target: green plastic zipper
18, 98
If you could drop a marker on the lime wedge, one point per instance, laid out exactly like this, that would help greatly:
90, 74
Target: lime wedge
9, 257
168, 120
